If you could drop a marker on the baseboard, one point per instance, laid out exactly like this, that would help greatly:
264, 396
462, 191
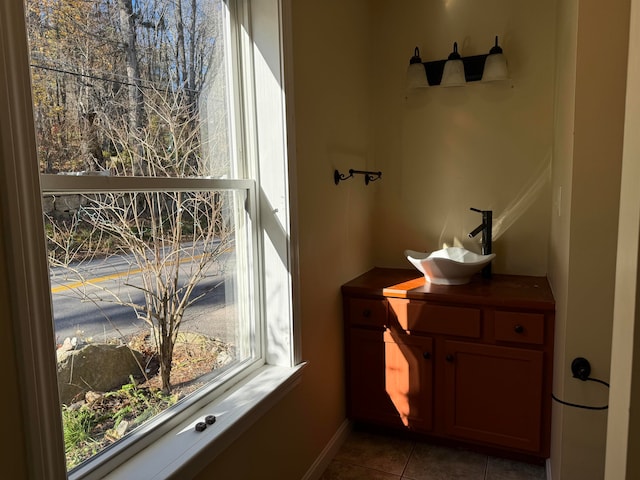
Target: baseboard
328, 452
548, 468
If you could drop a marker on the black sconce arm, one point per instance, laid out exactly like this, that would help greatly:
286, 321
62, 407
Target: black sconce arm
368, 175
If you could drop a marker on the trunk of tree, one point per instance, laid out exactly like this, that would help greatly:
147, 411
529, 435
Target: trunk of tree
129, 42
166, 359
181, 64
191, 93
90, 147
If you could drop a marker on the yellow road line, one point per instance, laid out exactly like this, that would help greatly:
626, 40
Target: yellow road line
113, 276
104, 278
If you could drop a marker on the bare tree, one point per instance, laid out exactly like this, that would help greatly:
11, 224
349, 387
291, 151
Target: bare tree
173, 238
98, 57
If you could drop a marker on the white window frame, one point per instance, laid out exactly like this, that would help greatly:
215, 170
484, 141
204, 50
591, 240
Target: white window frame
180, 451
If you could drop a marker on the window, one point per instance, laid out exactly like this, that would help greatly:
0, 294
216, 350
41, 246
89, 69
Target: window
164, 193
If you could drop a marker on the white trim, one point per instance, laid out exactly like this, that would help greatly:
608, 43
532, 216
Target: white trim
183, 452
94, 184
548, 469
291, 160
328, 452
265, 53
28, 274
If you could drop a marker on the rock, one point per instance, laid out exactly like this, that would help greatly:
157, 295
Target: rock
74, 407
48, 203
92, 396
118, 432
96, 367
223, 358
69, 203
68, 345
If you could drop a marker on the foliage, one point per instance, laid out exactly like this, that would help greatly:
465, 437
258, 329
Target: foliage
92, 426
117, 90
172, 239
96, 59
133, 88
78, 425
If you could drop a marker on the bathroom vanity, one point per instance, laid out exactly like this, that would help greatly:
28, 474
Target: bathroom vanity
468, 363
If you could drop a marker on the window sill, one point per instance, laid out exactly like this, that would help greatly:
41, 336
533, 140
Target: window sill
183, 452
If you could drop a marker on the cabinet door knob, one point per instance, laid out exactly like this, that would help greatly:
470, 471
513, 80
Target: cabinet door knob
366, 313
426, 355
518, 329
449, 358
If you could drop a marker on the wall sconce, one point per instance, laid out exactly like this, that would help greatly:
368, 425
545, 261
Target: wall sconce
487, 67
453, 73
495, 66
416, 74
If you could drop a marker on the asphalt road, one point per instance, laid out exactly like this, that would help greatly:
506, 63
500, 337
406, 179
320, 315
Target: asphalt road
84, 308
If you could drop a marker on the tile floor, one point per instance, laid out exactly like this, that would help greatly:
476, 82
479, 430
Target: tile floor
372, 456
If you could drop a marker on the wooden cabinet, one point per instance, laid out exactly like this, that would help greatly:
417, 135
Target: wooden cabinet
408, 374
469, 363
368, 397
389, 373
493, 394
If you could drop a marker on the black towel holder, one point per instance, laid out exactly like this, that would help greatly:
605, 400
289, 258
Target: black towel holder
368, 175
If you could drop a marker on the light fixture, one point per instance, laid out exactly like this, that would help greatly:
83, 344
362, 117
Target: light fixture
495, 66
416, 73
457, 70
453, 74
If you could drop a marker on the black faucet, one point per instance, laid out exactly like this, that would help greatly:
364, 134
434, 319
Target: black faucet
485, 228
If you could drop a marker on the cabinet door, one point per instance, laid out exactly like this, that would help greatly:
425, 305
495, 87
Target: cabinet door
409, 378
390, 379
367, 398
494, 394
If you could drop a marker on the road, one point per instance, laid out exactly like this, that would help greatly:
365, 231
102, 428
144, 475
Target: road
86, 309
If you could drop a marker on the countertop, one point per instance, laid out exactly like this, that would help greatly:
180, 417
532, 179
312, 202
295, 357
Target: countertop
520, 291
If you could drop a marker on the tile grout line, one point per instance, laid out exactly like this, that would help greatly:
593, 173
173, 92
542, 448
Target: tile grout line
366, 467
406, 464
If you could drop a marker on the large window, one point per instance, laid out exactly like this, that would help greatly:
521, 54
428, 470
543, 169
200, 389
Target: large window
154, 213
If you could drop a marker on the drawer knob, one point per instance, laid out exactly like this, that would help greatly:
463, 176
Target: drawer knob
449, 358
426, 355
518, 329
366, 313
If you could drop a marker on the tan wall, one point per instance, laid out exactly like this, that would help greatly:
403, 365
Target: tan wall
587, 162
444, 150
13, 452
623, 426
331, 122
566, 51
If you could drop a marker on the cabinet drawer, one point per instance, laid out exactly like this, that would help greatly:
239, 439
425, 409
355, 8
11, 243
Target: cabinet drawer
443, 319
519, 327
367, 312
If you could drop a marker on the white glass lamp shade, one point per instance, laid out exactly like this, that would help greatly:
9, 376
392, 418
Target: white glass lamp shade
495, 66
416, 73
453, 73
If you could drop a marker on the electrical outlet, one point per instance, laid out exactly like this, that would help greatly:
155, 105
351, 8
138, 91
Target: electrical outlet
581, 368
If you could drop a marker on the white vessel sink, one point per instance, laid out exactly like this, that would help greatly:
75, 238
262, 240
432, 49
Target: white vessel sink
448, 266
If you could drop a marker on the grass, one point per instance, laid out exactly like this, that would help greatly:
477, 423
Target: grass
102, 419
92, 426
